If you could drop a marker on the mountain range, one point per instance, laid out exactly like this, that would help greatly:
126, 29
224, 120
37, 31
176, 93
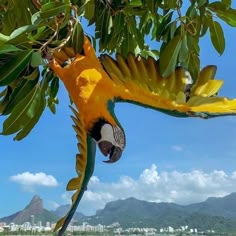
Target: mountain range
34, 208
214, 213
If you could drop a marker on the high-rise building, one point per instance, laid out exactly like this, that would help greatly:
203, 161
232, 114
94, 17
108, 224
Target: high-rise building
32, 219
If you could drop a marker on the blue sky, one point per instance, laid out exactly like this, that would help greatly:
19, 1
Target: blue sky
166, 158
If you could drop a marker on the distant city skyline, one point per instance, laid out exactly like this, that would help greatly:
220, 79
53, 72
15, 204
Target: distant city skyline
85, 227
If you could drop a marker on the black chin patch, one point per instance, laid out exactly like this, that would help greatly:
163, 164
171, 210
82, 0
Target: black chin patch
95, 132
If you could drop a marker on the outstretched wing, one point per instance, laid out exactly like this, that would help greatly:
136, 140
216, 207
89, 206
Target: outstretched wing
85, 161
139, 81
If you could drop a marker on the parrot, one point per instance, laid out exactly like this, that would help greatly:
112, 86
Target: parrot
96, 84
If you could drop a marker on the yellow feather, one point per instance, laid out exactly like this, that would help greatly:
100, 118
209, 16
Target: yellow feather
169, 82
209, 89
59, 224
133, 68
80, 131
80, 163
143, 75
75, 183
123, 67
215, 105
150, 67
180, 98
164, 93
60, 55
75, 113
74, 197
69, 51
81, 148
110, 65
206, 74
180, 80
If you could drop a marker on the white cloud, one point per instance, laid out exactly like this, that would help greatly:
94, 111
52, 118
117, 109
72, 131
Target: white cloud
179, 187
51, 205
66, 196
177, 148
29, 181
150, 176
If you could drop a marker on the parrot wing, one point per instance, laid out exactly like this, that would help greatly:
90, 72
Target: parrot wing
85, 162
139, 81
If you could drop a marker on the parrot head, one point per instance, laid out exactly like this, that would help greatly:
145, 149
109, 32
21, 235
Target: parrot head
109, 138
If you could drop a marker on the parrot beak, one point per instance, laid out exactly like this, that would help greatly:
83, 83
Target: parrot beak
113, 151
115, 155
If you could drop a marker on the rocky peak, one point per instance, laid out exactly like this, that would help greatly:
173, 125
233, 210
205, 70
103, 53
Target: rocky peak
35, 205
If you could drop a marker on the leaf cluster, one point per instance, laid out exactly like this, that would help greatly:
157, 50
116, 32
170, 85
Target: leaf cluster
175, 26
27, 85
26, 91
42, 27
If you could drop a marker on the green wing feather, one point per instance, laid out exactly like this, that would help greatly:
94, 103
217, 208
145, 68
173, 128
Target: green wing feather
139, 81
85, 162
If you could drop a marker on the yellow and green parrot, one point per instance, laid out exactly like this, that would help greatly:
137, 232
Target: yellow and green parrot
95, 85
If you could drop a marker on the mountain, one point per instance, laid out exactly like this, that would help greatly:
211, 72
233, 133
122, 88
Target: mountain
63, 209
223, 206
33, 212
214, 213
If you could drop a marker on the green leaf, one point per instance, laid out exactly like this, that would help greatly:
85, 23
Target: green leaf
105, 19
163, 25
3, 38
40, 104
201, 3
193, 61
184, 51
19, 93
135, 3
169, 55
194, 65
33, 75
5, 95
22, 113
52, 105
172, 29
227, 3
22, 30
54, 87
51, 9
77, 37
37, 59
222, 5
116, 32
89, 9
13, 68
191, 12
214, 6
47, 77
150, 53
217, 36
6, 48
204, 25
228, 16
35, 18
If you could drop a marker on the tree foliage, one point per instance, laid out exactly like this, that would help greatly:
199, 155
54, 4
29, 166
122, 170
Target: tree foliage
32, 30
